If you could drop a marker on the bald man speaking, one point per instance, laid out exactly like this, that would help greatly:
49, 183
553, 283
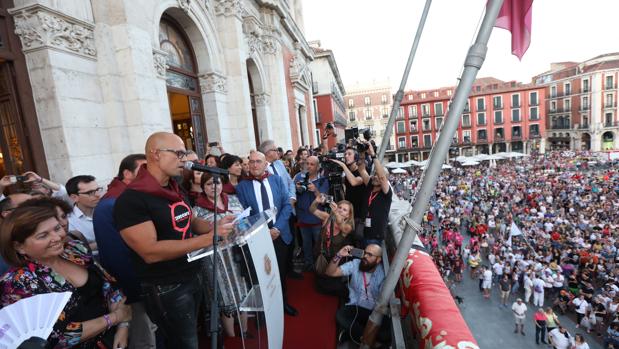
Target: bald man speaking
155, 221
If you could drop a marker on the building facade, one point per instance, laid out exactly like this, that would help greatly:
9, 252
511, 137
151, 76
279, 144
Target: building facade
369, 106
581, 99
329, 94
106, 74
498, 117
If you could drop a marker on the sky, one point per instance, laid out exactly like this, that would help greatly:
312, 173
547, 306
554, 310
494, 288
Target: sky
371, 39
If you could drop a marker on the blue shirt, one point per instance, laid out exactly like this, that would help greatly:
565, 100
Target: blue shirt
304, 201
283, 173
364, 288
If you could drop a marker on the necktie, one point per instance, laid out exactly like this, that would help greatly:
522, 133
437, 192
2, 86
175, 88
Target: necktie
274, 170
265, 199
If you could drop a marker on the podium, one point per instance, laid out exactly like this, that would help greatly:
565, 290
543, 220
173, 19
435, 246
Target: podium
248, 274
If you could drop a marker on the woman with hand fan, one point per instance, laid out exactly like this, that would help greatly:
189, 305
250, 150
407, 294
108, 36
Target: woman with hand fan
34, 243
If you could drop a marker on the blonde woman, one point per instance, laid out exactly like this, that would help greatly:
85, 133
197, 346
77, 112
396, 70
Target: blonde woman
341, 219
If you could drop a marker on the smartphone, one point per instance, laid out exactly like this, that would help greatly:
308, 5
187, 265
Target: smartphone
357, 253
21, 178
213, 144
328, 199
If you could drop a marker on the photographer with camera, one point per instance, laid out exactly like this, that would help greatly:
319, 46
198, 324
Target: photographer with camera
308, 185
366, 278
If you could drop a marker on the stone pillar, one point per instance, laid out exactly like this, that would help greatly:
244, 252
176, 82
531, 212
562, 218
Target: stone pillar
213, 87
236, 127
61, 55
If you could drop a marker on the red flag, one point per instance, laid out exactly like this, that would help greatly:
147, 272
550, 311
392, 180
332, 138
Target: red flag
515, 16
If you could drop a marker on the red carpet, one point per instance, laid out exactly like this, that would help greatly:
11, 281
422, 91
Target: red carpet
313, 328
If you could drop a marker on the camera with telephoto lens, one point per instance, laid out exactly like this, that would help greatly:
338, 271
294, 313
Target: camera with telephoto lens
329, 166
302, 188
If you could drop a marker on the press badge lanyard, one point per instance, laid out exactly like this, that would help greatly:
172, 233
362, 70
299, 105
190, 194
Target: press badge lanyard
368, 219
365, 285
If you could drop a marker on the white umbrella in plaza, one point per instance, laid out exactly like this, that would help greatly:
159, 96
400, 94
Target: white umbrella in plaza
470, 163
398, 171
444, 167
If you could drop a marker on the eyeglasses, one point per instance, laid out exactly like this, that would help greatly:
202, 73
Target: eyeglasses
91, 192
251, 162
180, 154
270, 150
368, 254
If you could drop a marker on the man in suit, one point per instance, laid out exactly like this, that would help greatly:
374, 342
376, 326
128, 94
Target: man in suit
263, 191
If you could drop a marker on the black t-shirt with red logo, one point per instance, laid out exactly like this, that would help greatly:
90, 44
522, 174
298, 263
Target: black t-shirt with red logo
172, 222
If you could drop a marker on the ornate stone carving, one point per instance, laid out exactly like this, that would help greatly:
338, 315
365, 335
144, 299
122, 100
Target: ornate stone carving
229, 8
185, 5
39, 27
262, 99
160, 62
260, 39
213, 82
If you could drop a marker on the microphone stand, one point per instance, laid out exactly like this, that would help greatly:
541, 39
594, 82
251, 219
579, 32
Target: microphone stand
214, 300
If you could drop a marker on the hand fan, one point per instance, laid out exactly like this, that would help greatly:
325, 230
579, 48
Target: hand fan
30, 317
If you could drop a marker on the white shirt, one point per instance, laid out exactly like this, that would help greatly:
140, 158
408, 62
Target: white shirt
539, 283
559, 340
258, 193
581, 306
519, 310
487, 275
498, 268
82, 223
528, 284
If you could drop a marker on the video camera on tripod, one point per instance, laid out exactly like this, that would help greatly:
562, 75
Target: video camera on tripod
352, 138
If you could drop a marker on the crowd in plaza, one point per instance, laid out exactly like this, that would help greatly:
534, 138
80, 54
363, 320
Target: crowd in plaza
122, 251
541, 230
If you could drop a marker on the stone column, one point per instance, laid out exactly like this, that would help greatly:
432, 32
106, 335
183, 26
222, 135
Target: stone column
213, 87
60, 51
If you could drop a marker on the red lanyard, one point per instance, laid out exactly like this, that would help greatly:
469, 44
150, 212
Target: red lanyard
372, 197
365, 285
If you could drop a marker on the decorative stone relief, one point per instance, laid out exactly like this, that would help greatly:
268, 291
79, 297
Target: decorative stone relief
260, 39
185, 5
262, 99
229, 8
160, 62
297, 66
40, 27
213, 82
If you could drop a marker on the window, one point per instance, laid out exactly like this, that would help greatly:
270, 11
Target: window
383, 99
467, 107
534, 130
400, 127
412, 111
515, 115
553, 106
533, 113
438, 109
384, 111
567, 105
466, 120
401, 142
466, 136
410, 97
516, 100
553, 91
499, 134
401, 113
584, 103
498, 116
516, 132
423, 95
316, 113
449, 92
608, 119
609, 82
367, 100
351, 103
481, 118
368, 113
352, 116
435, 93
426, 125
497, 102
413, 126
482, 135
415, 141
585, 85
533, 98
567, 88
609, 100
439, 123
425, 110
427, 141
481, 104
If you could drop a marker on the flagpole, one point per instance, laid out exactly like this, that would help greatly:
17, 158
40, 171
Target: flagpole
474, 61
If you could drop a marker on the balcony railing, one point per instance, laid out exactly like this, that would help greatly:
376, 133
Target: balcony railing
583, 126
498, 138
610, 105
516, 137
516, 105
482, 108
468, 125
610, 86
585, 90
533, 117
440, 113
585, 107
497, 106
559, 110
482, 140
535, 135
533, 103
498, 122
560, 127
611, 124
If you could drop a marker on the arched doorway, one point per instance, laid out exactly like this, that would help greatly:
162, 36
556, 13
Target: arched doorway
183, 88
608, 140
585, 142
254, 112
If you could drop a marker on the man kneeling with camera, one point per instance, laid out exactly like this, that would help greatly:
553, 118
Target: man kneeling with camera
366, 278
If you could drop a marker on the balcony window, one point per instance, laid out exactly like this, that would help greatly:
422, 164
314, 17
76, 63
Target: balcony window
352, 116
383, 99
516, 132
533, 98
425, 110
482, 135
427, 141
609, 83
367, 101
534, 131
497, 102
438, 109
515, 115
609, 100
481, 118
351, 103
516, 101
439, 123
585, 85
466, 120
368, 113
481, 104
498, 133
415, 142
568, 89
401, 142
467, 107
400, 127
553, 91
533, 113
426, 125
413, 126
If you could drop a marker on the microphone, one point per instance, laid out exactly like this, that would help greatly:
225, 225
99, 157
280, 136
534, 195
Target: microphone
194, 166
